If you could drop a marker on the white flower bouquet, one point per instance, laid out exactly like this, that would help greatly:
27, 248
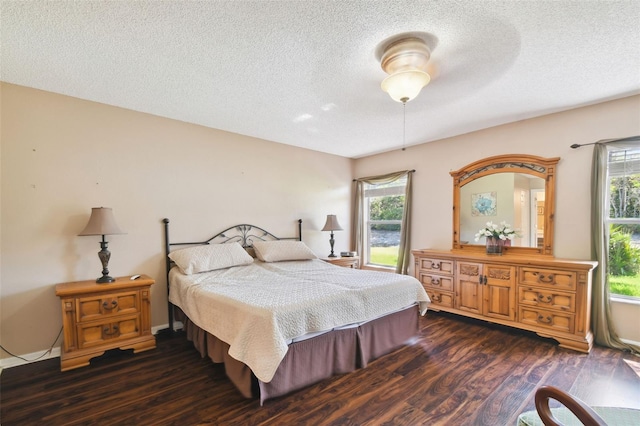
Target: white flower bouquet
503, 231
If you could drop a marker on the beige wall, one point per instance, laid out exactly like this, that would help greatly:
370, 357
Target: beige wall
61, 156
547, 136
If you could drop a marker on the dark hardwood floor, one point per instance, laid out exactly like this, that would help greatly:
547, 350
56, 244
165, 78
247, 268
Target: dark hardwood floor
461, 372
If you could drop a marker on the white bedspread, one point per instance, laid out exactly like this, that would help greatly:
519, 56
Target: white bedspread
258, 308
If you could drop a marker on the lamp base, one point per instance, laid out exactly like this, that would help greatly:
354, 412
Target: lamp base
105, 279
331, 243
104, 254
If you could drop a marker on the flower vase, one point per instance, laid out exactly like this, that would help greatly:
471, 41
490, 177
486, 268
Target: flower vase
494, 246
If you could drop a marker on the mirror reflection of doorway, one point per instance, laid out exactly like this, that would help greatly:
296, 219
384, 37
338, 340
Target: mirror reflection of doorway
512, 203
537, 218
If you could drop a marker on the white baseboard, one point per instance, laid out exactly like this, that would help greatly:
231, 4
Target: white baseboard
29, 358
14, 361
630, 342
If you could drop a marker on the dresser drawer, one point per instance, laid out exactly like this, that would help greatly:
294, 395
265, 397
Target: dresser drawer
97, 333
547, 299
93, 308
553, 320
436, 282
439, 298
549, 278
445, 266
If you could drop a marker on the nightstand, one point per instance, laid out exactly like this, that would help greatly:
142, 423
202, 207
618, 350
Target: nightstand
99, 317
347, 262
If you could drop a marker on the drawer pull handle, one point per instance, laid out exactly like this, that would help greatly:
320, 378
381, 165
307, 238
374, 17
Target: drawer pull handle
543, 319
106, 331
435, 281
435, 265
544, 299
547, 280
436, 298
114, 304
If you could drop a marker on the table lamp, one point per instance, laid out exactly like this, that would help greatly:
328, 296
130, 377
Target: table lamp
332, 225
102, 223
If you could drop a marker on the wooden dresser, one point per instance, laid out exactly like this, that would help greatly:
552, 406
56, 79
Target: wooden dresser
551, 297
99, 317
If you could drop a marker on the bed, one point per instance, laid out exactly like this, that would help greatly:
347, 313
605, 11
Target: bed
279, 318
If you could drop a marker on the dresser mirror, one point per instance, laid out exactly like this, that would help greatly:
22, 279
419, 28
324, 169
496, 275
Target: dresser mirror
518, 189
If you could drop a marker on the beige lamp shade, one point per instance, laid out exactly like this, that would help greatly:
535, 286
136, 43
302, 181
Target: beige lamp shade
101, 222
332, 223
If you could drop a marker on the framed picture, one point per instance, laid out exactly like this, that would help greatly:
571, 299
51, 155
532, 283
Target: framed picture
484, 204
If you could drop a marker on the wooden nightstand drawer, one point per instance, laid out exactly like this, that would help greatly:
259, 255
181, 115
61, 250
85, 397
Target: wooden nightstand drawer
561, 280
436, 282
96, 307
98, 333
547, 299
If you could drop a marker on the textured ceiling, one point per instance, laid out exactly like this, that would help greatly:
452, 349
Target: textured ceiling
305, 73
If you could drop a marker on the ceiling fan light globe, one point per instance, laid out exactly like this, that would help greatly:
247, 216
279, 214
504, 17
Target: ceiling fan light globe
403, 86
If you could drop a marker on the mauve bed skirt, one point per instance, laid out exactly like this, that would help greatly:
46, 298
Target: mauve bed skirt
312, 360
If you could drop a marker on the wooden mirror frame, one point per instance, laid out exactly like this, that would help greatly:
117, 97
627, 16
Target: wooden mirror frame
511, 163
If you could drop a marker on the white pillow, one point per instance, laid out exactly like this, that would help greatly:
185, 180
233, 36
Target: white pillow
280, 250
204, 258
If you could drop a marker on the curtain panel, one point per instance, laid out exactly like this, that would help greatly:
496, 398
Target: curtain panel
358, 228
602, 324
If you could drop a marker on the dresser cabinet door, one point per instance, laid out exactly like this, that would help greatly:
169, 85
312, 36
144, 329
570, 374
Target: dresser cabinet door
468, 288
499, 289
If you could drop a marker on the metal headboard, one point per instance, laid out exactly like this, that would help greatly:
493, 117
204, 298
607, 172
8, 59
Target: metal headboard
244, 234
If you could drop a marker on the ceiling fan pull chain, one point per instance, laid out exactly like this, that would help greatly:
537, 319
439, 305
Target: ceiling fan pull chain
404, 123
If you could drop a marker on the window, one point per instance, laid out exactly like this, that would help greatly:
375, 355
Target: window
383, 208
623, 221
